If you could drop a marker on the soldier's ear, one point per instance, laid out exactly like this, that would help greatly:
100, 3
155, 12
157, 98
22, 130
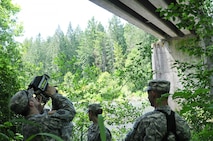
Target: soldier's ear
152, 93
155, 95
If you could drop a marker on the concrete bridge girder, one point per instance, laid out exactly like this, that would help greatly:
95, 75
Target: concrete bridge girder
142, 13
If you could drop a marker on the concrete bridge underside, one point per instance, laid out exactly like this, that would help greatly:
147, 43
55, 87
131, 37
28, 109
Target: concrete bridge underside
142, 13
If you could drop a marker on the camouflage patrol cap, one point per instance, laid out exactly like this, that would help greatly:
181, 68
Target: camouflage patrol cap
159, 85
94, 107
19, 102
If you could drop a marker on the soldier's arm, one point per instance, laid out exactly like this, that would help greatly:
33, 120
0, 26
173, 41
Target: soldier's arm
62, 106
93, 134
131, 134
182, 129
108, 135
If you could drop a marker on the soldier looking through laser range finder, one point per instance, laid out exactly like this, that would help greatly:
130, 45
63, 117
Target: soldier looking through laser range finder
57, 122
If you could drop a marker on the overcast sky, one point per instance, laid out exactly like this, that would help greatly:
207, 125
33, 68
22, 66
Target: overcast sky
44, 16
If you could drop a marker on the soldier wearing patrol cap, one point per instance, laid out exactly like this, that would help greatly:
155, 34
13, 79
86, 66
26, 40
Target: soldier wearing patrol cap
94, 131
57, 121
153, 125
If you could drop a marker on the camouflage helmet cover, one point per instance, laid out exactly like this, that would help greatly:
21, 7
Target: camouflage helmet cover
19, 102
94, 107
159, 85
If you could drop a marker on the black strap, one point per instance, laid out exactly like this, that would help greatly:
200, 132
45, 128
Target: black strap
171, 125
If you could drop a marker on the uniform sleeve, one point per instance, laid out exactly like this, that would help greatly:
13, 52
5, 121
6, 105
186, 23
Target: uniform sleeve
108, 135
64, 107
183, 129
93, 133
133, 134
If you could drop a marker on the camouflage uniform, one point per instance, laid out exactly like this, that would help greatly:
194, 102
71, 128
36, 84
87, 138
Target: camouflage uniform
153, 125
94, 131
58, 123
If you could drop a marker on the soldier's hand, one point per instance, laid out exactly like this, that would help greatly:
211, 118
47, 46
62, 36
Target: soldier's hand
50, 91
51, 112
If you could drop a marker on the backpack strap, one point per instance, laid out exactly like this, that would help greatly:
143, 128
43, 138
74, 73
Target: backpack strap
171, 125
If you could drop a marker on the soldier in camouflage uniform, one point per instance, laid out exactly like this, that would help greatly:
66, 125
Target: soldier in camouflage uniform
57, 121
94, 131
153, 125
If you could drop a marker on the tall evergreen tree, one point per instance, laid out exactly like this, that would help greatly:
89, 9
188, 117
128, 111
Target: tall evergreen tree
116, 31
70, 53
91, 47
10, 62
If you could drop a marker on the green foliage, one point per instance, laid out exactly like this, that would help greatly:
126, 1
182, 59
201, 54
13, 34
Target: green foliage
137, 69
119, 57
112, 115
8, 133
10, 61
195, 99
105, 89
194, 15
130, 111
196, 96
116, 30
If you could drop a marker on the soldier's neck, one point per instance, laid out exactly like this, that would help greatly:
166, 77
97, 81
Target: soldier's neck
161, 103
95, 120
